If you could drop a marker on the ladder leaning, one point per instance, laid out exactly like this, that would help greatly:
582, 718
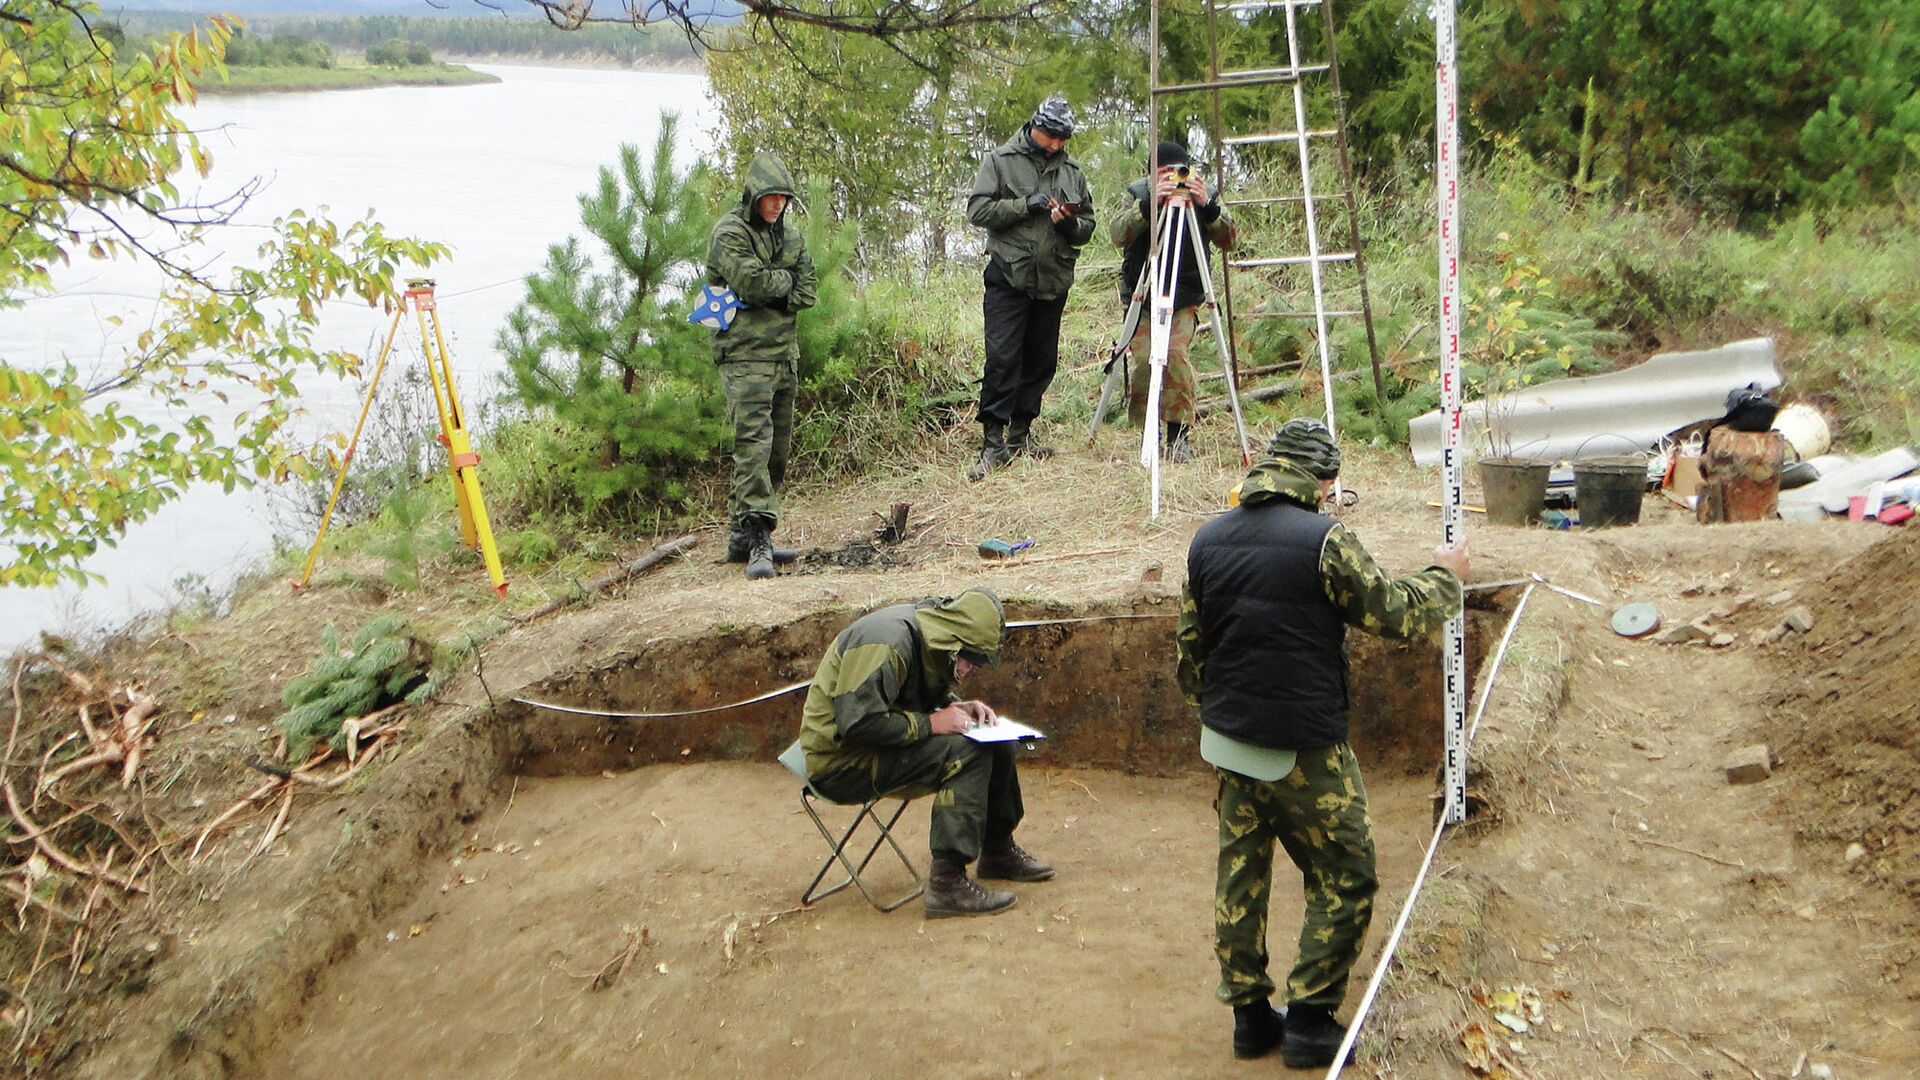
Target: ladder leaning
1230, 150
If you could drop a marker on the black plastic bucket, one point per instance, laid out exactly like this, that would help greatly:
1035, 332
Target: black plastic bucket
1608, 491
1514, 490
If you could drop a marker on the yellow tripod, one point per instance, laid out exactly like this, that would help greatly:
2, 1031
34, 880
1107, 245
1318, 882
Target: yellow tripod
475, 531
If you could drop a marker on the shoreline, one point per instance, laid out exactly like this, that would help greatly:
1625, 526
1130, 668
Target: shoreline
243, 81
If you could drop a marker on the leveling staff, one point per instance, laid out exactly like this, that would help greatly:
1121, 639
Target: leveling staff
1272, 586
1175, 180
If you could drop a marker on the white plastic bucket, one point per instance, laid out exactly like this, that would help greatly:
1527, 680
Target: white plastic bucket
1805, 429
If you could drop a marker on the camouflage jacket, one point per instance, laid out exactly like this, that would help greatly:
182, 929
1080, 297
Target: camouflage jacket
766, 266
1129, 233
884, 674
1036, 256
1417, 605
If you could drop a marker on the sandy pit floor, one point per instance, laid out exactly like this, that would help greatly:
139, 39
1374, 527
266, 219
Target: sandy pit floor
1105, 971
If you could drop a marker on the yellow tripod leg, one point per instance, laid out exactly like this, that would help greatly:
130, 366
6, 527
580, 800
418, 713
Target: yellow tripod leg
475, 529
473, 508
340, 478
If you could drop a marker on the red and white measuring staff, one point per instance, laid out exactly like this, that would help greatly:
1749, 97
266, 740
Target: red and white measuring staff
1452, 521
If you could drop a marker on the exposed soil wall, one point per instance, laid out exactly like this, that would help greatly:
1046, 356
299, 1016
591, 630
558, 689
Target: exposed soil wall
1844, 719
1103, 690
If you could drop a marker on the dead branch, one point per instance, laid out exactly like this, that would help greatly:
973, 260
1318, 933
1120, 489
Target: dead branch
27, 899
53, 852
610, 973
231, 812
279, 822
615, 576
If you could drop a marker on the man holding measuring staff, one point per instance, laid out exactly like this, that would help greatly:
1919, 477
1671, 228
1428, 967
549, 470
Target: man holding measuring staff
1271, 587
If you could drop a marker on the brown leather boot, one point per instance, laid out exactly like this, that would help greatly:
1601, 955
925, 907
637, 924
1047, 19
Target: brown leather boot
950, 892
1011, 862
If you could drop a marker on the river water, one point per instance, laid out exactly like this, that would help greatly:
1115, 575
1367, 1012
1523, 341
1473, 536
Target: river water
492, 170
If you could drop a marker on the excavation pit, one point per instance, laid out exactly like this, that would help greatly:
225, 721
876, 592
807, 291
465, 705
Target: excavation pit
664, 858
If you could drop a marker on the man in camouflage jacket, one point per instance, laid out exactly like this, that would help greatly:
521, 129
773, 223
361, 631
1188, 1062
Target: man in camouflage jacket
1129, 233
881, 718
1037, 209
763, 258
1271, 588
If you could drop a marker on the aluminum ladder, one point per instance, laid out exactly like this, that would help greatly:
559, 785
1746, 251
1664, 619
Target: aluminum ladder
1278, 271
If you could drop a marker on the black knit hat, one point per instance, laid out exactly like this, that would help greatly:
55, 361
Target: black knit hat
1171, 153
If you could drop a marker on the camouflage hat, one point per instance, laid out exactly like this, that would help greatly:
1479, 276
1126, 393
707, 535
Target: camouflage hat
1055, 117
1308, 443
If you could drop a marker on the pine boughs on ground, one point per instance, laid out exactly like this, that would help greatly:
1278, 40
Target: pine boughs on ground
386, 664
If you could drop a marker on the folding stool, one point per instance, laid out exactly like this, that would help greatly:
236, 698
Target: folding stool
795, 759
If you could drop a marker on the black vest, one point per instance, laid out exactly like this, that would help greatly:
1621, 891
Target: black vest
1275, 646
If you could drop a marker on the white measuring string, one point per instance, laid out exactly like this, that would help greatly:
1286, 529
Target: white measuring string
1452, 520
1426, 863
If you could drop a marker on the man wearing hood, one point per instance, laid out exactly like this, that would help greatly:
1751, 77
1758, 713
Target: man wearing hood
1129, 233
881, 717
763, 258
1271, 587
1034, 202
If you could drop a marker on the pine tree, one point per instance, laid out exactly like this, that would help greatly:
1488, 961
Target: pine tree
601, 340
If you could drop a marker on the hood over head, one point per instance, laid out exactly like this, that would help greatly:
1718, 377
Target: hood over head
972, 624
766, 175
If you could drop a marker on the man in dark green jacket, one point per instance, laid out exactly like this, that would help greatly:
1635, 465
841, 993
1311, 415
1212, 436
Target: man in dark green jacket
763, 258
881, 717
1271, 587
1037, 209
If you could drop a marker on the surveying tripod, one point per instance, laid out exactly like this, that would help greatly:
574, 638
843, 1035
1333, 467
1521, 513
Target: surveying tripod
1178, 226
475, 530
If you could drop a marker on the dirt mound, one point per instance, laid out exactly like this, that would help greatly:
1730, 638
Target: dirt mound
1844, 718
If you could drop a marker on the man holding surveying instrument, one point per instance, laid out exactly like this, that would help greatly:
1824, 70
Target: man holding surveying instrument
1176, 189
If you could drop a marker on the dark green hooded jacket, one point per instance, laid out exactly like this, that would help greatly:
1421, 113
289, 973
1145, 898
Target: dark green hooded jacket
886, 672
767, 267
1036, 256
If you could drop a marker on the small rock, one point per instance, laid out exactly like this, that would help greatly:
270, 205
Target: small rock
1721, 641
1820, 1071
1768, 637
1749, 764
1856, 851
1784, 596
1681, 633
1151, 574
1799, 620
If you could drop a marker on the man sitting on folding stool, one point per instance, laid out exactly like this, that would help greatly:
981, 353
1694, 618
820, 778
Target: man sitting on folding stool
881, 716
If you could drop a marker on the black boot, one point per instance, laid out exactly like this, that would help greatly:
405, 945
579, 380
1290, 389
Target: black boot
1179, 447
1257, 1029
951, 892
993, 450
1313, 1037
740, 539
1020, 441
1008, 861
759, 552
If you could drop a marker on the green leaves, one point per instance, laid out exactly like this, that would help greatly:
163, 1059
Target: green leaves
93, 145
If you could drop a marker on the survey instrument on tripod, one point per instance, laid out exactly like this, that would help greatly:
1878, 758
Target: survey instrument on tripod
475, 530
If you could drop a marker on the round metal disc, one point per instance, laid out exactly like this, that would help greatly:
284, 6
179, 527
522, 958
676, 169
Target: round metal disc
1636, 620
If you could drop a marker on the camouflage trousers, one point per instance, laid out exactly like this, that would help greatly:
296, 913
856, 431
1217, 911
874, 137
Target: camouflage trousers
1318, 813
1178, 389
975, 788
760, 408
